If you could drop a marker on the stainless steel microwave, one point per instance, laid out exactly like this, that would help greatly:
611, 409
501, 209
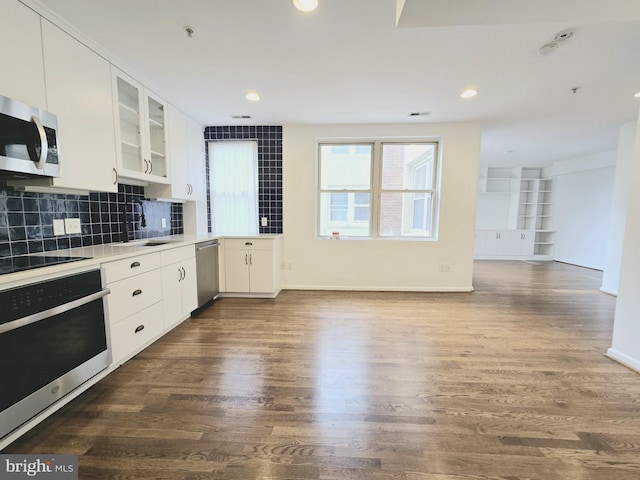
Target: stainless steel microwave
28, 140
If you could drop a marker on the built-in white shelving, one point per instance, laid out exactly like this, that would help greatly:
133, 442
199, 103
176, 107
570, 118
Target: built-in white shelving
516, 199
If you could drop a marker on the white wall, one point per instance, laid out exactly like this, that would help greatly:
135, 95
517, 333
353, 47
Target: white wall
618, 216
625, 345
381, 264
582, 205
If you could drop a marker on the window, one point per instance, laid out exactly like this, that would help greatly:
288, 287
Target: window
378, 189
345, 189
234, 187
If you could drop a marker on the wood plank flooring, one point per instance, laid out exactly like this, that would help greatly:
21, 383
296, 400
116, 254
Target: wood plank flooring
509, 382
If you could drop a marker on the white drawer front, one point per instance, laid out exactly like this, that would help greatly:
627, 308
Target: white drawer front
127, 267
248, 244
133, 294
132, 333
176, 255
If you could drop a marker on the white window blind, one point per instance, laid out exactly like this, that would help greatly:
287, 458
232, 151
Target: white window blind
233, 178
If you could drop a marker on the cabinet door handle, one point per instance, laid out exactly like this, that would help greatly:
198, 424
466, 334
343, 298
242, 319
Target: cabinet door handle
184, 273
179, 275
188, 189
249, 244
115, 176
139, 328
135, 264
146, 165
136, 293
150, 167
250, 259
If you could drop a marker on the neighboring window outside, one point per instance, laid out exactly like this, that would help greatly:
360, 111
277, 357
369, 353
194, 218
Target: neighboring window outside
345, 189
407, 192
403, 193
233, 178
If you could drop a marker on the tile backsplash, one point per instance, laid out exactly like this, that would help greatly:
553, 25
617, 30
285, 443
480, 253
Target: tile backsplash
269, 140
26, 219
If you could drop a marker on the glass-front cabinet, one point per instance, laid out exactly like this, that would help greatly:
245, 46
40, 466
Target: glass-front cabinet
141, 133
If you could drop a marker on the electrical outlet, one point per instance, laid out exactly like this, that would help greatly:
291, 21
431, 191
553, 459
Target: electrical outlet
72, 225
445, 267
58, 227
264, 221
164, 223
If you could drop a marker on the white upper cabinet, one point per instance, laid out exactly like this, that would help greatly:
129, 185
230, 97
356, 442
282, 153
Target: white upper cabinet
22, 76
78, 86
140, 131
186, 159
195, 137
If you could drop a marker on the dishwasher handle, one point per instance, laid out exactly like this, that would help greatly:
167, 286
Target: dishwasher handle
205, 246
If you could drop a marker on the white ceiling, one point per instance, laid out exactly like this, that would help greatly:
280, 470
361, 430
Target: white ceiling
348, 62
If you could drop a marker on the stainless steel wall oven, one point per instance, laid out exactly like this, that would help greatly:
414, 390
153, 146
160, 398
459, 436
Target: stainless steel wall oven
53, 338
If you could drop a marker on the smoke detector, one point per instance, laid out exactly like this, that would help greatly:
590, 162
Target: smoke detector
548, 49
564, 35
559, 38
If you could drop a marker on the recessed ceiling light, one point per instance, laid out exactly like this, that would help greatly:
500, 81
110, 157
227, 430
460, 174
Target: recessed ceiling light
637, 95
252, 96
469, 92
305, 5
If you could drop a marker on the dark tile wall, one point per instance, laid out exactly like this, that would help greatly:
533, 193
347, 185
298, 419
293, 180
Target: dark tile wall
26, 219
269, 140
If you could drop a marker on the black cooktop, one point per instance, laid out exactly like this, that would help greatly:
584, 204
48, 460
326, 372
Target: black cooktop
29, 262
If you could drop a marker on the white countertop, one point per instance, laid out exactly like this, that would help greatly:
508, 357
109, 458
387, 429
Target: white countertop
107, 252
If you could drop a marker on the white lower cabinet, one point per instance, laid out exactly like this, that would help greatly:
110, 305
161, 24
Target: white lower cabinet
134, 305
132, 334
504, 243
252, 266
179, 284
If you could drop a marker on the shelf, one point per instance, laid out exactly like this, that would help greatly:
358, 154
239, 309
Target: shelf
130, 145
157, 154
155, 123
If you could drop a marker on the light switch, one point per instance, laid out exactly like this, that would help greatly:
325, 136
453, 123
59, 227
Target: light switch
58, 227
72, 225
264, 221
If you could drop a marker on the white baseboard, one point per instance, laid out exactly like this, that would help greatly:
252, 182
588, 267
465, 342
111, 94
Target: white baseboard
626, 360
380, 289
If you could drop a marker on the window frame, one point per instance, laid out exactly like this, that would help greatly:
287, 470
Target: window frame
432, 207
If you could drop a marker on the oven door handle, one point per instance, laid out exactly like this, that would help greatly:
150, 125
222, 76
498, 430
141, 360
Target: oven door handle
37, 317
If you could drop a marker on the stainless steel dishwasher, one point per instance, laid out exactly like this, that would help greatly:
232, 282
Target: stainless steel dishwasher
207, 271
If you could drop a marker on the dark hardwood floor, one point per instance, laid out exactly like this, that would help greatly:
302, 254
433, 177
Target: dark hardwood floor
508, 382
